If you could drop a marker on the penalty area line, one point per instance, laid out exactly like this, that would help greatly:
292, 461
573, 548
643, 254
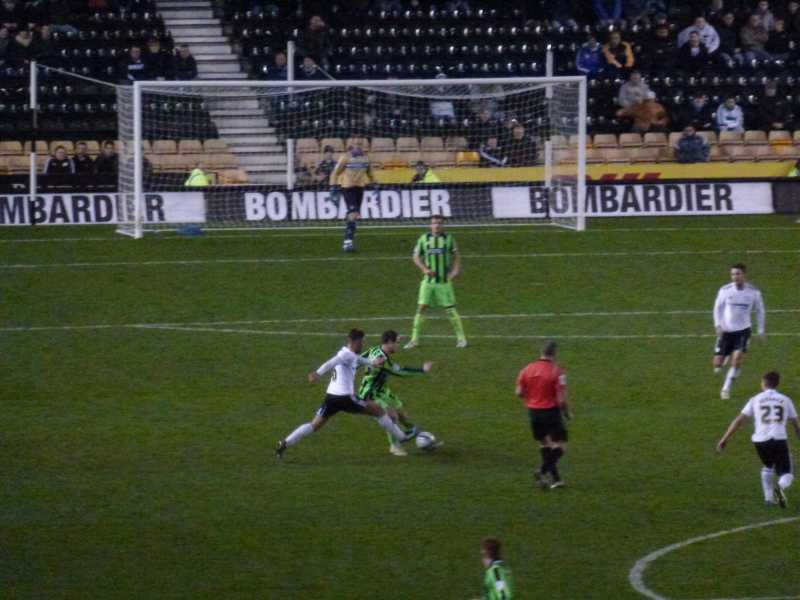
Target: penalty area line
636, 574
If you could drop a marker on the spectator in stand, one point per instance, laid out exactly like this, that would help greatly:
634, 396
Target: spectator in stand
310, 71
634, 11
443, 109
697, 113
133, 67
322, 173
661, 51
781, 43
607, 12
767, 18
484, 127
634, 91
315, 41
158, 61
619, 54
691, 148
59, 163
424, 174
708, 35
728, 37
491, 154
693, 55
108, 161
278, 71
645, 116
754, 37
44, 47
590, 59
21, 50
184, 66
521, 149
716, 9
774, 112
12, 15
730, 116
792, 16
59, 15
5, 42
84, 165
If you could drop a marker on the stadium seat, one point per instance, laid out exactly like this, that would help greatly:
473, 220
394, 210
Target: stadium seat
336, 143
739, 152
456, 143
605, 140
92, 147
439, 159
216, 145
467, 159
192, 160
10, 148
764, 152
361, 141
565, 156
655, 139
224, 160
4, 165
709, 136
630, 140
777, 138
382, 144
573, 141
19, 164
232, 176
674, 138
716, 153
431, 144
796, 137
164, 147
172, 162
615, 155
406, 159
594, 155
730, 137
755, 137
303, 145
41, 148
558, 141
786, 152
644, 154
382, 159
407, 144
190, 147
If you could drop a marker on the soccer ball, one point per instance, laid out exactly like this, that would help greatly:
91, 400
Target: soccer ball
426, 440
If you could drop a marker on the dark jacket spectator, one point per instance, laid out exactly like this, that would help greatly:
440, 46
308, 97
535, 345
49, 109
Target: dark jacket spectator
278, 71
44, 47
108, 162
492, 155
728, 35
521, 149
792, 16
184, 65
774, 112
590, 59
21, 50
309, 70
691, 148
12, 14
158, 62
781, 43
484, 127
5, 42
697, 113
693, 56
315, 41
634, 10
708, 35
133, 66
662, 50
754, 36
84, 165
59, 163
607, 11
619, 54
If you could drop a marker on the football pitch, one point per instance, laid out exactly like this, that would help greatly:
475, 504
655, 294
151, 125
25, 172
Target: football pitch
146, 383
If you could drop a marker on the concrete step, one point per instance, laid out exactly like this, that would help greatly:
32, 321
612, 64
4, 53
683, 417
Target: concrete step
199, 39
212, 76
256, 160
241, 122
207, 67
216, 48
216, 58
180, 29
233, 113
253, 140
222, 106
255, 147
189, 22
182, 4
185, 12
224, 130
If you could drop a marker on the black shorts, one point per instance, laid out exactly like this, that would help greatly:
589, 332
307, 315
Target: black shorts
774, 454
334, 404
731, 341
547, 422
352, 198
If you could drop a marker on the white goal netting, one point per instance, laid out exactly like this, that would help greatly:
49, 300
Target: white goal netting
260, 154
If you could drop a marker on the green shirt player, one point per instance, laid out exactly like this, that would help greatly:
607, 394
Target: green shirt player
373, 384
498, 583
436, 255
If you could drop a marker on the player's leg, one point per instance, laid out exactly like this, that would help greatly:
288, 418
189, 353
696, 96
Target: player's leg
783, 469
539, 431
325, 412
446, 297
737, 358
767, 471
423, 301
385, 401
720, 353
352, 197
372, 409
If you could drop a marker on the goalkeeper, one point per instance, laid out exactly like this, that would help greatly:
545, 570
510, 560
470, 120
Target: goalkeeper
351, 173
373, 385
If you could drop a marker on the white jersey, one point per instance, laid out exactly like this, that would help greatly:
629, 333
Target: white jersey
344, 366
769, 410
733, 307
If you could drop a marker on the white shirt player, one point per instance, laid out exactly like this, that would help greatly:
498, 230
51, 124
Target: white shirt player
769, 410
733, 307
344, 366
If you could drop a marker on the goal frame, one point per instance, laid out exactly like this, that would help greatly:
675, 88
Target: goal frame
138, 152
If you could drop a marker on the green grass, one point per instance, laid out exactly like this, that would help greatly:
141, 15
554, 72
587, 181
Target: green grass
137, 462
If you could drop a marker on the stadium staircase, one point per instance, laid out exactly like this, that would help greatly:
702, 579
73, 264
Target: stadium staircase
240, 119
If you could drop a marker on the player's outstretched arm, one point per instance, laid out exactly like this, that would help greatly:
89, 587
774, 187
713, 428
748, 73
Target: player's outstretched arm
735, 424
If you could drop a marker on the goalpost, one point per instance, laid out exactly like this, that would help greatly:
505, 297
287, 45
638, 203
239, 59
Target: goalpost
499, 150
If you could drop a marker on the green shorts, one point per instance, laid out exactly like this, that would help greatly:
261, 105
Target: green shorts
387, 399
437, 294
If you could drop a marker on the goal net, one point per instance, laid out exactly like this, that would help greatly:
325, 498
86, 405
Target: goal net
257, 154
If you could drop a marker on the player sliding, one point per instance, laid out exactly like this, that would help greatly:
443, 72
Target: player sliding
340, 395
373, 385
436, 255
769, 410
735, 301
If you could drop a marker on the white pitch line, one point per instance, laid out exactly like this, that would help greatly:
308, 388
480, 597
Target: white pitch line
542, 315
636, 575
310, 259
377, 232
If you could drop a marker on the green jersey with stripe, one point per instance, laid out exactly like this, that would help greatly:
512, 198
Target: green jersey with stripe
374, 381
437, 252
498, 583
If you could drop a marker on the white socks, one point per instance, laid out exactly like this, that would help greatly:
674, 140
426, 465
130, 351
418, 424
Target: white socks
386, 422
733, 373
786, 480
298, 434
768, 484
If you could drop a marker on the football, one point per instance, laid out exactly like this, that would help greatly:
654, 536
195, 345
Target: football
426, 440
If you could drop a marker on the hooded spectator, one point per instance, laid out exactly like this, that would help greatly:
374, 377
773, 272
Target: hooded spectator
774, 112
157, 60
590, 59
634, 91
691, 147
619, 54
697, 113
185, 65
693, 55
730, 116
84, 165
708, 35
728, 36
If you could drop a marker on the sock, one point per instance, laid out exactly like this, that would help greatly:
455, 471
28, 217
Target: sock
298, 434
545, 452
350, 230
717, 369
767, 476
390, 426
785, 480
733, 373
455, 321
555, 455
418, 318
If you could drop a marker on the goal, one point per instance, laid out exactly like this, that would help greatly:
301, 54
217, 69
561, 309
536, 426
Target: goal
478, 151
